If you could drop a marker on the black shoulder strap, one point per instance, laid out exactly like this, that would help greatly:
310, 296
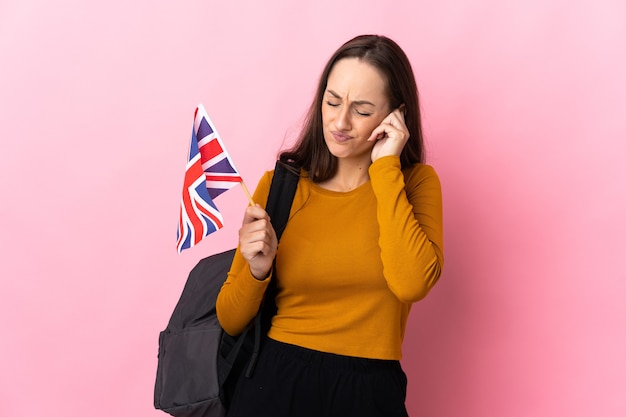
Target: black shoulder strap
279, 201
282, 191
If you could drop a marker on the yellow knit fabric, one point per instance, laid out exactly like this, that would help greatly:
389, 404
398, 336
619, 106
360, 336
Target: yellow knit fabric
349, 264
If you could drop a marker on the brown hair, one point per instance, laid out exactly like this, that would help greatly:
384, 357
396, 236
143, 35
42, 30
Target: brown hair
310, 151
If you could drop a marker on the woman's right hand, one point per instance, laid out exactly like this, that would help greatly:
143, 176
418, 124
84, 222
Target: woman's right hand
257, 241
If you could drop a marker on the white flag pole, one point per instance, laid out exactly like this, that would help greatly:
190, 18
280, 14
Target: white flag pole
245, 190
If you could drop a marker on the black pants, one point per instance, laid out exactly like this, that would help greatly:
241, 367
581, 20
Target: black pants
290, 381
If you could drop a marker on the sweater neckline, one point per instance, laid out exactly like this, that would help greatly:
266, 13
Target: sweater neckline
321, 190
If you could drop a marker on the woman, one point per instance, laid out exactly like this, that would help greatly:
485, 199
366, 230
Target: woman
364, 241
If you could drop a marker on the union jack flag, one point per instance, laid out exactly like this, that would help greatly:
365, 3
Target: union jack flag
210, 171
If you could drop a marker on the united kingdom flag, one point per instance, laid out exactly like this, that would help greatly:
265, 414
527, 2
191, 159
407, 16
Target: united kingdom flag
210, 171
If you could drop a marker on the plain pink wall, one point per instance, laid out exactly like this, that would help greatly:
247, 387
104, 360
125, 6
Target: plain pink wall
525, 116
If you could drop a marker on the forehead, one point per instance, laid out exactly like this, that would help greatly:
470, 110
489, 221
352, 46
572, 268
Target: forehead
357, 79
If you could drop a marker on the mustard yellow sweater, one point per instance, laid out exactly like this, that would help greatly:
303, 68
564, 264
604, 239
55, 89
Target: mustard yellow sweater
349, 264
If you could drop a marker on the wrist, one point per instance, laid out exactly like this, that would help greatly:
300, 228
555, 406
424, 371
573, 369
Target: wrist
260, 275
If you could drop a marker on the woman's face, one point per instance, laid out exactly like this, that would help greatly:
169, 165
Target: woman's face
354, 103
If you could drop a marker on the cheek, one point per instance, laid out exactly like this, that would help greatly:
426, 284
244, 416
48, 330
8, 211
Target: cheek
324, 117
371, 125
328, 115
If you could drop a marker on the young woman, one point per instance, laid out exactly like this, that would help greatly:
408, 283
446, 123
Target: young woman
364, 241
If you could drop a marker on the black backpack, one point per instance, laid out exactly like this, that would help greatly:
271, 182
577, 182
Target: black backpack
198, 363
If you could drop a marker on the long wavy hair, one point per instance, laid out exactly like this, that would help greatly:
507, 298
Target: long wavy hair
310, 151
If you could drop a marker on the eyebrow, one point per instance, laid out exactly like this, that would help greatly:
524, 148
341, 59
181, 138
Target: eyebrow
357, 102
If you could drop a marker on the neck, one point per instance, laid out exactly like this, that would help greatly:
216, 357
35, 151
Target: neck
348, 177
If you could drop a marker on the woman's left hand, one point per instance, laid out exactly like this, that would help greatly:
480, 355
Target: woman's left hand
390, 136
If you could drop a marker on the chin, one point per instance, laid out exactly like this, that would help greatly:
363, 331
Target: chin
338, 150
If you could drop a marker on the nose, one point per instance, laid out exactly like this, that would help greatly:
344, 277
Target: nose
343, 118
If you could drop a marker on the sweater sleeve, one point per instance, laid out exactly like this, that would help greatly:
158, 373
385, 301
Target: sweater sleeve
241, 294
410, 219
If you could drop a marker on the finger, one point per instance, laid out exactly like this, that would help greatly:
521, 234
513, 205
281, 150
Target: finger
379, 132
393, 125
254, 213
383, 131
254, 249
257, 242
397, 125
253, 246
396, 118
258, 230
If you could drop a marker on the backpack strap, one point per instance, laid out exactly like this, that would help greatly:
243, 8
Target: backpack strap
279, 201
282, 191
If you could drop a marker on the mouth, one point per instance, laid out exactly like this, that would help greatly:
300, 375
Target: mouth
340, 137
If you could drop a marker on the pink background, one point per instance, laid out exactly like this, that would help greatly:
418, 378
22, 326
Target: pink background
525, 117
